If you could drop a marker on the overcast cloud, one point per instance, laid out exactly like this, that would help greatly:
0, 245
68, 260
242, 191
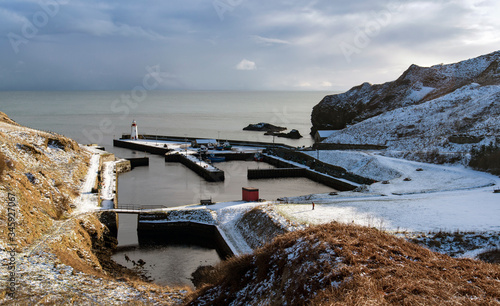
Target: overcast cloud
235, 44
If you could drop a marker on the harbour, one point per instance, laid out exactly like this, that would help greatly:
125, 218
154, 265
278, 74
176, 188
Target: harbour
156, 227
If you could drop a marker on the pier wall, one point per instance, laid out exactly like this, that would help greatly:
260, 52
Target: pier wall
183, 232
235, 156
253, 174
232, 142
209, 175
139, 161
139, 147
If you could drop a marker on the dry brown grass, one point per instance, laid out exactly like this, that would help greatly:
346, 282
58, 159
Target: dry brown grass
6, 119
3, 165
258, 228
337, 264
45, 224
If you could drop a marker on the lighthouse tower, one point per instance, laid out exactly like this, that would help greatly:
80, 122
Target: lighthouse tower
134, 134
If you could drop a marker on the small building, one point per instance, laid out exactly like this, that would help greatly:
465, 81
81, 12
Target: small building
204, 142
250, 194
134, 133
322, 135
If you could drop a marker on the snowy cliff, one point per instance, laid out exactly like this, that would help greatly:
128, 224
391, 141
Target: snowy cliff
451, 108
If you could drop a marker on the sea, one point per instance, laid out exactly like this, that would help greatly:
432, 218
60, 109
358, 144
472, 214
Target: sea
101, 116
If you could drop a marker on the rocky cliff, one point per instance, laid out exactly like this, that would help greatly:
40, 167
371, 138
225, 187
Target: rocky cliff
416, 86
436, 107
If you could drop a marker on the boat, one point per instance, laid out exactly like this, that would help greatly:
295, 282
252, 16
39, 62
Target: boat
203, 149
227, 146
219, 147
216, 159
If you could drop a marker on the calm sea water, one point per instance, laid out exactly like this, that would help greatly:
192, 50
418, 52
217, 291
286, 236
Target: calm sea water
98, 117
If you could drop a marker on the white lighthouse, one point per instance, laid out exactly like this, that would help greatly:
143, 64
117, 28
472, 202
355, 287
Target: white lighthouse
134, 134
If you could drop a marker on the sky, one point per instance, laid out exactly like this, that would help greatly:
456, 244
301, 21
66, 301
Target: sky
326, 45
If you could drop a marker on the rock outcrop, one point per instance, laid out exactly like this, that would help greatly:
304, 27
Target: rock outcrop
264, 127
417, 85
293, 134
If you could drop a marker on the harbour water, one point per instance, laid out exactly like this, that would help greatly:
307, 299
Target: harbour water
98, 117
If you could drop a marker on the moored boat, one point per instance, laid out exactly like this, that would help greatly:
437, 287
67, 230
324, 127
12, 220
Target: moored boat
216, 159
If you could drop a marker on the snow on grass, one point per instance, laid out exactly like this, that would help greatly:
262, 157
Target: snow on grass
475, 210
43, 277
418, 92
416, 198
403, 176
360, 163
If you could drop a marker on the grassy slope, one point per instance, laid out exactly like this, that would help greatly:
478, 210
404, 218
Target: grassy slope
44, 172
349, 265
44, 180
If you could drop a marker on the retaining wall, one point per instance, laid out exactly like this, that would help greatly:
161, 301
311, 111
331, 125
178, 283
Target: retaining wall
347, 146
276, 173
138, 161
123, 166
319, 166
294, 171
183, 232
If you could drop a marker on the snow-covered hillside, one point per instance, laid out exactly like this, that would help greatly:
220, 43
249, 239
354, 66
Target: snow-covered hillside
472, 110
446, 108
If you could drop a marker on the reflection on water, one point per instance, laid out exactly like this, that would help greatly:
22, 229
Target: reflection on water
169, 265
172, 184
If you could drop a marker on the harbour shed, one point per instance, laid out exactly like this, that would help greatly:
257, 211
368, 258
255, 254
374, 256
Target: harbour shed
250, 194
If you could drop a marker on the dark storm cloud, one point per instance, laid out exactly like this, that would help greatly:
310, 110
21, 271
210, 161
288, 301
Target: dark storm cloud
234, 44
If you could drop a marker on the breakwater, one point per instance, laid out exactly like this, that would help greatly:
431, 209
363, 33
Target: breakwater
140, 147
285, 169
209, 173
191, 139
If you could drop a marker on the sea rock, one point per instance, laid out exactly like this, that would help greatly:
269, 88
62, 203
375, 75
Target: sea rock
264, 127
293, 134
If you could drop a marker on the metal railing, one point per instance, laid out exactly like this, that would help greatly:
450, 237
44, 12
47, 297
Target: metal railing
139, 207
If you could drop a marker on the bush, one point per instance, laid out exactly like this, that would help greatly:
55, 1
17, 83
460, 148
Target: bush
486, 158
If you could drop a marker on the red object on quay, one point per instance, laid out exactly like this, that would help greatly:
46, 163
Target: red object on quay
250, 194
